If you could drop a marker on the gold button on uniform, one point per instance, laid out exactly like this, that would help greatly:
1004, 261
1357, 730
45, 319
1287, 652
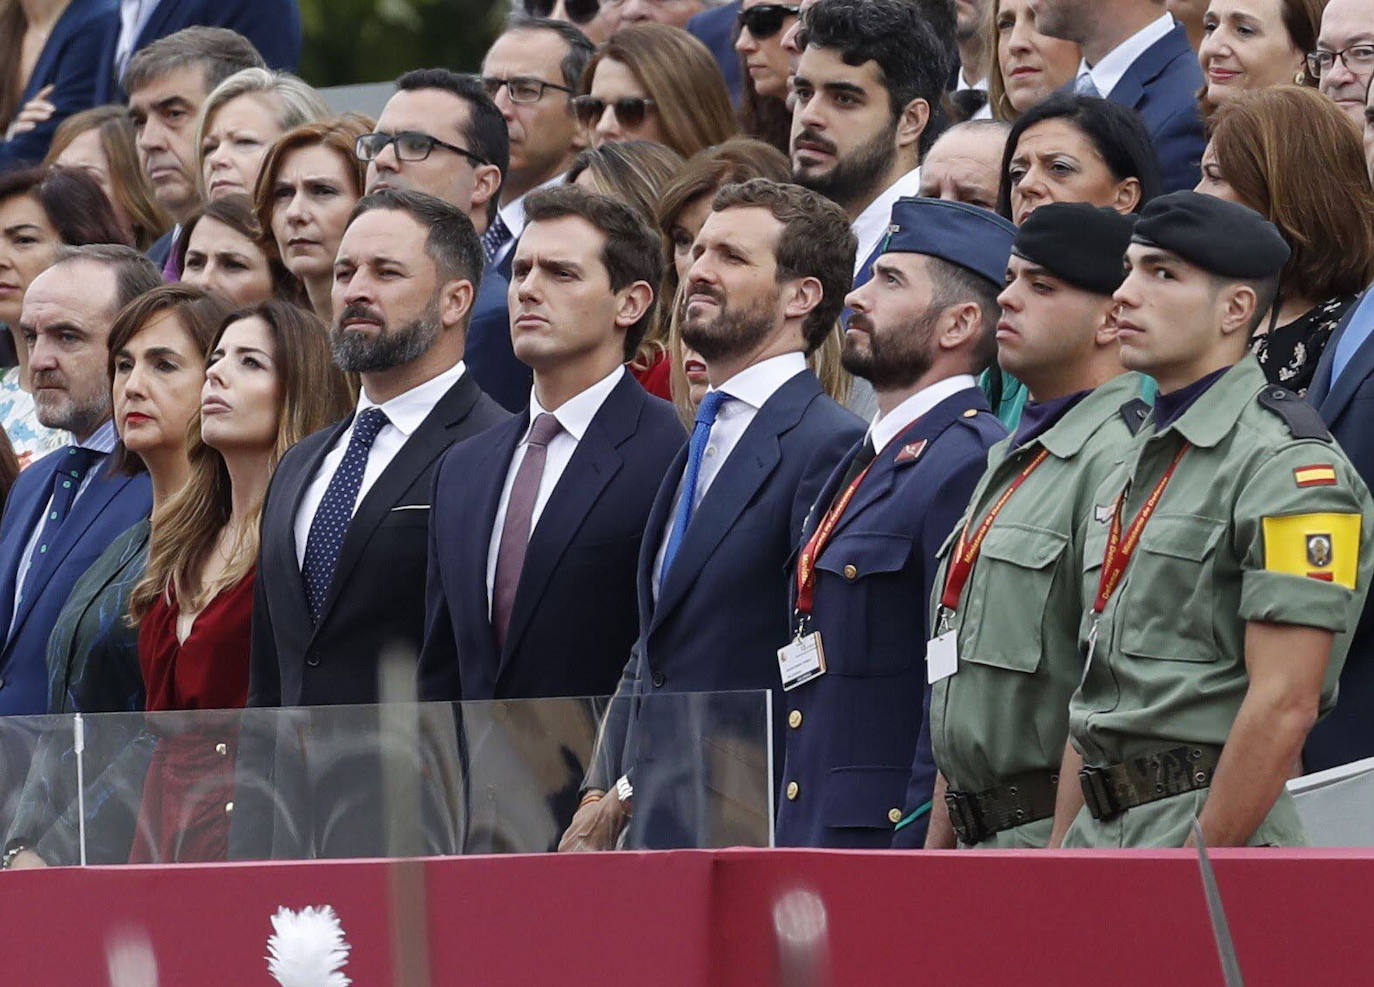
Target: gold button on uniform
850, 572
229, 807
794, 719
894, 816
971, 413
221, 749
793, 790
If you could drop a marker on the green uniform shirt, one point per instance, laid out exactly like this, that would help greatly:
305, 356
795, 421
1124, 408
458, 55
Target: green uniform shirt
1006, 709
1256, 525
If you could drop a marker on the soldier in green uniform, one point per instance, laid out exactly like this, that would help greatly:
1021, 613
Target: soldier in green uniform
1225, 562
1008, 584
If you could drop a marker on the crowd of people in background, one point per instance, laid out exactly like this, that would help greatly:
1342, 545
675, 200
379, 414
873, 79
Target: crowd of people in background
841, 349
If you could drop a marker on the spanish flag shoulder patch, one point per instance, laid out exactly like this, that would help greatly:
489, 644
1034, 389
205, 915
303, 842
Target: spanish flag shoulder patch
1318, 475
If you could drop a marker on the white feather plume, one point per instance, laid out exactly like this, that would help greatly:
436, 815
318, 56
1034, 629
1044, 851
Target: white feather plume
307, 948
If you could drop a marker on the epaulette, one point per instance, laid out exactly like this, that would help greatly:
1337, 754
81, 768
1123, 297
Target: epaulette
1301, 418
1134, 412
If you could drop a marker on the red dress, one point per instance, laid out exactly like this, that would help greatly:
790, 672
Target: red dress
190, 783
655, 378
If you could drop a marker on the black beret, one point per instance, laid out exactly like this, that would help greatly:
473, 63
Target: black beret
1222, 237
1077, 242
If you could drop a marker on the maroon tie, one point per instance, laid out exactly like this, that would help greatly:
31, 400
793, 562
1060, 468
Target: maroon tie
515, 536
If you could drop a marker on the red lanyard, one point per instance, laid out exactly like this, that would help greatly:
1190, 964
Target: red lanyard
1120, 550
806, 562
967, 550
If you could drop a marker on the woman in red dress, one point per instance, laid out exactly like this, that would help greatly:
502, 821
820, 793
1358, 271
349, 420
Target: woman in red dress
270, 381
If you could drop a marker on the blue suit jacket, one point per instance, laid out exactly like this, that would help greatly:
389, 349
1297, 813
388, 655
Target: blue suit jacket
852, 750
488, 351
69, 63
721, 614
715, 28
106, 509
1162, 86
274, 27
1347, 733
574, 618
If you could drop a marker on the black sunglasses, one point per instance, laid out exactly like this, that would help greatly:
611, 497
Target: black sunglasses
767, 19
578, 11
629, 110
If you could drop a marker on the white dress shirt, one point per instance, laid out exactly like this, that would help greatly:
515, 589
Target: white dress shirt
405, 413
134, 16
887, 427
575, 415
751, 388
1113, 65
872, 224
962, 83
513, 215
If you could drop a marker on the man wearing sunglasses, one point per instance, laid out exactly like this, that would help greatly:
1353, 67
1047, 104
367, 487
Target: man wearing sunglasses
531, 72
441, 134
1343, 63
596, 20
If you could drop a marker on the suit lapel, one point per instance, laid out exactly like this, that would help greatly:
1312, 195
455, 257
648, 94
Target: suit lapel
491, 472
1337, 393
157, 23
286, 549
1130, 90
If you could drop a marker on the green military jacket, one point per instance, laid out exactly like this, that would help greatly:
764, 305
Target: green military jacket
1265, 519
1005, 710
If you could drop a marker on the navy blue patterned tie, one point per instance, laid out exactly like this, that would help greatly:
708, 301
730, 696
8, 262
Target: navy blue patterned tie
66, 481
331, 521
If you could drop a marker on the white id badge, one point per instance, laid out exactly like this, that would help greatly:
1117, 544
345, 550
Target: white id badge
801, 661
942, 656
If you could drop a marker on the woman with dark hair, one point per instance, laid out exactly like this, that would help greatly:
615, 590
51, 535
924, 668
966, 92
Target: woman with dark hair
1260, 155
1072, 148
763, 111
1254, 44
40, 210
225, 252
270, 381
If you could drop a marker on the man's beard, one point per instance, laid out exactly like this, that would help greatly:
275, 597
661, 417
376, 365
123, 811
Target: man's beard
363, 353
63, 409
893, 361
732, 331
856, 176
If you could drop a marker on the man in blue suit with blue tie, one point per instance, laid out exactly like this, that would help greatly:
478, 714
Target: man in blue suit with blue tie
65, 509
770, 269
1136, 54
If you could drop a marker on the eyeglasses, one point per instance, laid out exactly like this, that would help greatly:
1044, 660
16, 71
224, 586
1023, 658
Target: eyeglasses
411, 145
578, 11
1357, 58
522, 89
629, 110
766, 19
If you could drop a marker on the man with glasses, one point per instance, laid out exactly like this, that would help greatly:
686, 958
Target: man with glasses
531, 72
1344, 60
596, 20
441, 134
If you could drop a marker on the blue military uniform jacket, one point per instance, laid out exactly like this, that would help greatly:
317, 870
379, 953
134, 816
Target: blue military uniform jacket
851, 737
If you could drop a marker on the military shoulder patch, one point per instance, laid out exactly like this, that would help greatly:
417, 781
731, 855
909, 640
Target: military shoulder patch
1317, 546
1317, 475
1302, 419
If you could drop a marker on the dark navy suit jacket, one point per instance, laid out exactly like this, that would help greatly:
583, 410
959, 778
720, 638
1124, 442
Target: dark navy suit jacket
105, 509
1347, 733
721, 614
715, 28
575, 616
69, 63
854, 741
1162, 86
488, 352
274, 27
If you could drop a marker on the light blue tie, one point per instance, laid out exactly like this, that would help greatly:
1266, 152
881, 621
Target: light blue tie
1361, 325
1084, 86
701, 434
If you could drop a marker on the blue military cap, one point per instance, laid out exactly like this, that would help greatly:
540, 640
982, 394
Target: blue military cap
956, 232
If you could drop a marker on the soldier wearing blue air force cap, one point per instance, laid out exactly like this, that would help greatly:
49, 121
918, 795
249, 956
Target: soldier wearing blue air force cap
854, 674
1225, 562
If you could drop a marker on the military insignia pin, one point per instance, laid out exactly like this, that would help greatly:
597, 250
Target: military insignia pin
911, 453
1319, 550
1102, 513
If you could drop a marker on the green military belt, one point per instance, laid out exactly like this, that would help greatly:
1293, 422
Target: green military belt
1024, 798
1112, 790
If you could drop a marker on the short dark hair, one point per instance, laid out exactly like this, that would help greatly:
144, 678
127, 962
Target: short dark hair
580, 47
452, 242
486, 133
913, 62
632, 251
816, 242
954, 284
220, 51
74, 204
1115, 131
134, 273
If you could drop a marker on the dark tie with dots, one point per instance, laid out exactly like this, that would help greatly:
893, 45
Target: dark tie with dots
66, 481
496, 237
515, 535
330, 524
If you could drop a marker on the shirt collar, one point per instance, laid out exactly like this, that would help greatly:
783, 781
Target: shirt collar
1113, 65
102, 440
1215, 411
887, 427
754, 385
513, 212
1069, 433
872, 224
406, 411
962, 83
576, 413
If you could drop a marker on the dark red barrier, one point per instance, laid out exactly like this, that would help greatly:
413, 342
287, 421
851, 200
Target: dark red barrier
700, 918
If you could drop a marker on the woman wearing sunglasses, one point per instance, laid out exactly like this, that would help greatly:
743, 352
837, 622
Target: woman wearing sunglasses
655, 83
596, 20
758, 40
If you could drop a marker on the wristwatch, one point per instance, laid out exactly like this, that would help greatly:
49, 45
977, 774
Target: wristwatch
13, 849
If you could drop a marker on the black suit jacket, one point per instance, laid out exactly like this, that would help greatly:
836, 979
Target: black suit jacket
574, 618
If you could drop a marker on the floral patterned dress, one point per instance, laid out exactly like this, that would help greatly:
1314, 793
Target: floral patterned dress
1288, 354
19, 418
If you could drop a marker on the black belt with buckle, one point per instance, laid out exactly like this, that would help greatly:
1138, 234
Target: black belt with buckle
1112, 790
1023, 798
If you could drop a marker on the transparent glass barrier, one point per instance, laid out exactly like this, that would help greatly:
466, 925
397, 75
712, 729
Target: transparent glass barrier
1337, 805
390, 780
